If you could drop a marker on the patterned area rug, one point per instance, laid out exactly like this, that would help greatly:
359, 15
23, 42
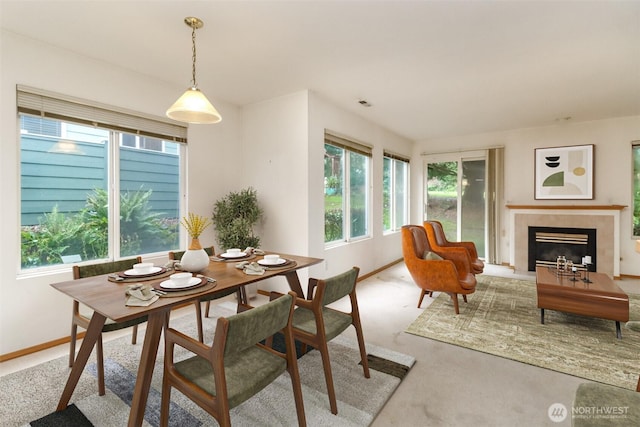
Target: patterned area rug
502, 318
29, 397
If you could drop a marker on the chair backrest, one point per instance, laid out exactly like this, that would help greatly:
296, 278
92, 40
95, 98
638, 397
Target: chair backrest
89, 270
438, 232
336, 287
417, 238
177, 255
252, 326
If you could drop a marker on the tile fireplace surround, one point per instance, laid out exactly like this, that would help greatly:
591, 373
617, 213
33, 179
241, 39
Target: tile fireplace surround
604, 218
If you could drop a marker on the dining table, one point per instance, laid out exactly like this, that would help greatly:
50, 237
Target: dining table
107, 300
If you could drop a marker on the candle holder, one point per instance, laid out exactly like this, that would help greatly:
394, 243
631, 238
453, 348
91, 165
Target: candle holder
585, 279
574, 270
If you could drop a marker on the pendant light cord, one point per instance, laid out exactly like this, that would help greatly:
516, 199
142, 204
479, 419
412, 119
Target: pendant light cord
193, 69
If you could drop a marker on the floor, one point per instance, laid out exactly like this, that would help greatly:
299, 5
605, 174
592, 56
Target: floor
448, 385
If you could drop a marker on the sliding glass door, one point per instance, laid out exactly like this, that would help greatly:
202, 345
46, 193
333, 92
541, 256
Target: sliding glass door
456, 188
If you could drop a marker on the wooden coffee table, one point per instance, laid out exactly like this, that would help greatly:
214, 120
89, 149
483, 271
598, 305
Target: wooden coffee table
601, 298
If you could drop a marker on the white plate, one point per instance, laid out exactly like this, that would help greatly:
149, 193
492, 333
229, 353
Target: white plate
279, 261
238, 255
168, 284
153, 270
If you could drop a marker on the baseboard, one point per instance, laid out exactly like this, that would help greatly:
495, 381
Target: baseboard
37, 348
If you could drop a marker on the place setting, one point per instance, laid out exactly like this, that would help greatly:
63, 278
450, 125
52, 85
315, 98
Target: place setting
183, 283
235, 254
140, 272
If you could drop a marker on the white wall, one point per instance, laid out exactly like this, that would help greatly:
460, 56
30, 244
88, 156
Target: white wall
613, 170
31, 312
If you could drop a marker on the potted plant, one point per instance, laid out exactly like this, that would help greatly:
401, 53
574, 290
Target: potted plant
195, 258
234, 217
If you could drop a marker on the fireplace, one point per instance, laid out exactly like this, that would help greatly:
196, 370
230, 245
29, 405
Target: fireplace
545, 244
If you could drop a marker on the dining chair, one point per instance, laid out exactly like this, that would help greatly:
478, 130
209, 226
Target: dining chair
83, 319
315, 324
236, 366
177, 255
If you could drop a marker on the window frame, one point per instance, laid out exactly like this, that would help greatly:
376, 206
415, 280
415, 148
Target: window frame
349, 146
635, 189
117, 122
394, 158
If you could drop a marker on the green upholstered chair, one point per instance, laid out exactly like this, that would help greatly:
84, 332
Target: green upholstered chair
83, 319
216, 295
236, 366
592, 397
315, 324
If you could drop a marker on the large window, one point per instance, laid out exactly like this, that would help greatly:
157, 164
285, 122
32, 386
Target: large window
395, 192
347, 193
93, 186
636, 188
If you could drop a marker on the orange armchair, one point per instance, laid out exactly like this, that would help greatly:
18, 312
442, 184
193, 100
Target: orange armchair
437, 238
452, 276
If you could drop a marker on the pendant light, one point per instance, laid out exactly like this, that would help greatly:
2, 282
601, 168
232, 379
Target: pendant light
193, 106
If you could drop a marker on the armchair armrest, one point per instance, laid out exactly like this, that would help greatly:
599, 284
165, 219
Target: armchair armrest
459, 256
172, 337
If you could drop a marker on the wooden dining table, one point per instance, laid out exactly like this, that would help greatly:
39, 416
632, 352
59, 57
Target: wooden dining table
107, 299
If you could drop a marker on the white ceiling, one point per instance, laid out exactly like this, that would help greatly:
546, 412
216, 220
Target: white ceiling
429, 68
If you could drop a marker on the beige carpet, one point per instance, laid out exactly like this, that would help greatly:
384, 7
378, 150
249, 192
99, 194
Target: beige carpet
502, 318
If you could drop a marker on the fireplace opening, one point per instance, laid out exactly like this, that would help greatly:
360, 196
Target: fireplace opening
546, 244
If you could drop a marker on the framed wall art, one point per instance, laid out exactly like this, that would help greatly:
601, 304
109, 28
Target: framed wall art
564, 172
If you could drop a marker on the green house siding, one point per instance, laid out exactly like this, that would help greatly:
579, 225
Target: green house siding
65, 180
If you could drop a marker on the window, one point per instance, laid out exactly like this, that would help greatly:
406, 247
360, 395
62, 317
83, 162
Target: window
636, 187
395, 192
95, 183
347, 193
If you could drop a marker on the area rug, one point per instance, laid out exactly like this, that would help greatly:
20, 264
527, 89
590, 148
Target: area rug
29, 397
502, 318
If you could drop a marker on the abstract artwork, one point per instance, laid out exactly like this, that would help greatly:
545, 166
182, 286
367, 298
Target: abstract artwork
564, 172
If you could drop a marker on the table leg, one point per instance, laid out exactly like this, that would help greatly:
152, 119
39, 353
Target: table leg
542, 316
294, 283
618, 331
93, 333
145, 369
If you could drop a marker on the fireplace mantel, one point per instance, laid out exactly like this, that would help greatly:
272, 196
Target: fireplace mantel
570, 207
604, 218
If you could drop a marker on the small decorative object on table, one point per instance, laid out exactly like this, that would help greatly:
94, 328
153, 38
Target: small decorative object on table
586, 261
195, 258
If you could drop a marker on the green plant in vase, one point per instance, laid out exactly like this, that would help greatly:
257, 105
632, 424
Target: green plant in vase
234, 217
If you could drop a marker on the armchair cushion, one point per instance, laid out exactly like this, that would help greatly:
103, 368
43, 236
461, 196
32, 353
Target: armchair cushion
432, 256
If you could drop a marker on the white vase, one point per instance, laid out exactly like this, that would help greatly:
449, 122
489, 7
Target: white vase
194, 260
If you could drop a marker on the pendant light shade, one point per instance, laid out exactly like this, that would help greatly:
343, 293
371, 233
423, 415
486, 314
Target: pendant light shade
193, 106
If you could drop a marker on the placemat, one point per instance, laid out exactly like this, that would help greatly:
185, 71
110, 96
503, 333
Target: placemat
116, 277
220, 259
206, 287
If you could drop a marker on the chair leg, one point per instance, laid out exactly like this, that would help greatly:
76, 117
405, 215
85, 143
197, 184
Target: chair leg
363, 351
72, 344
100, 367
328, 376
207, 305
164, 403
422, 293
454, 297
134, 335
199, 321
464, 297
